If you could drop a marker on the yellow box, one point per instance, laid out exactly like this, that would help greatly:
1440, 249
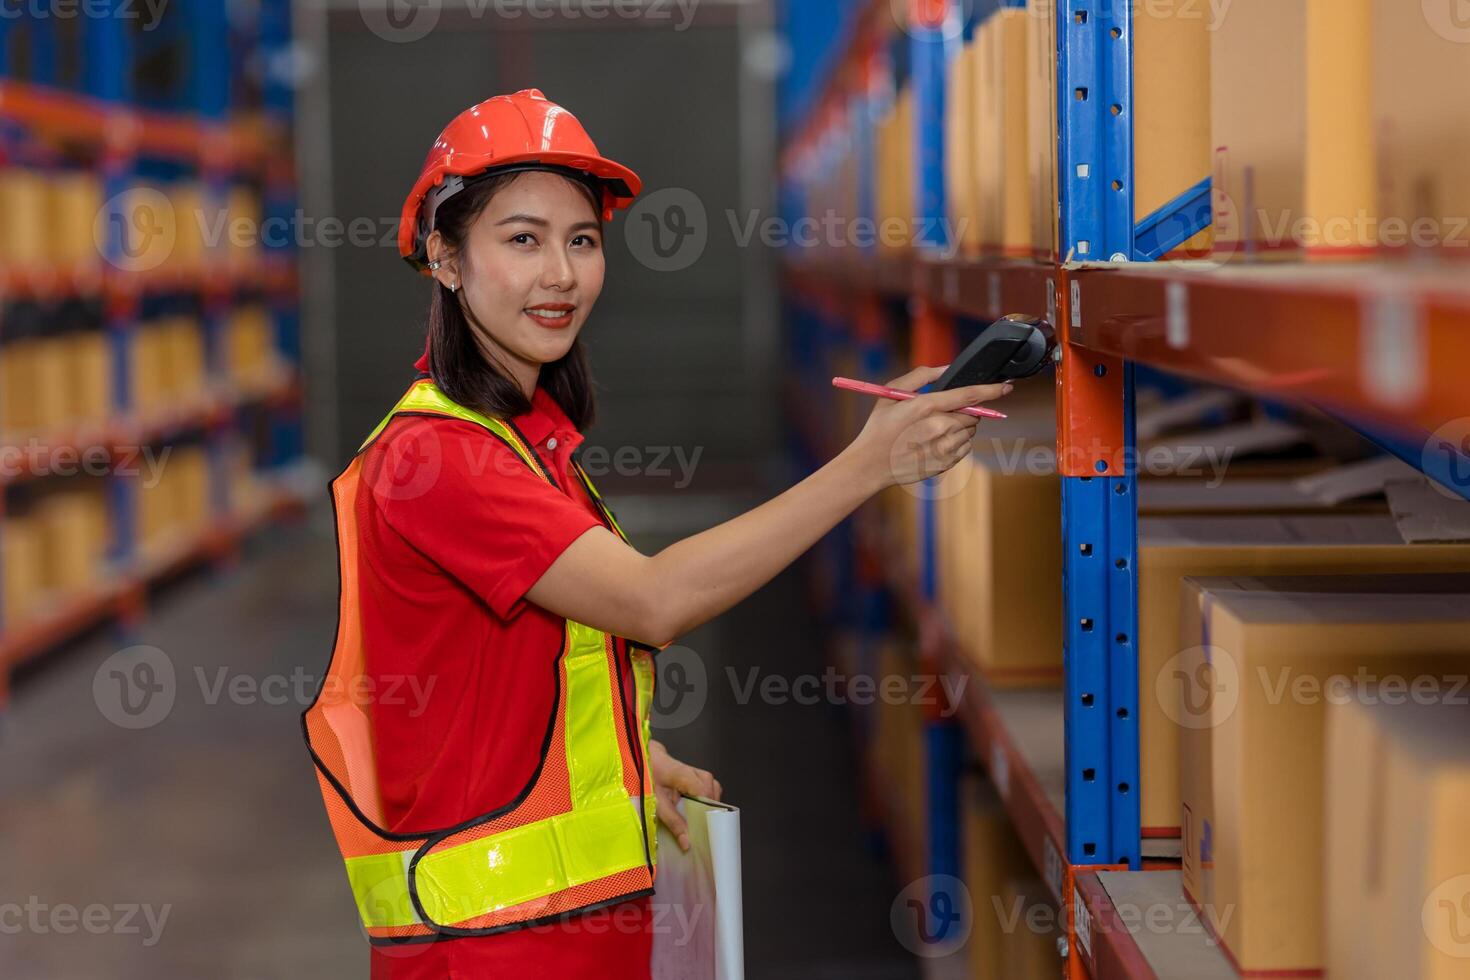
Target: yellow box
91, 377
1041, 124
18, 386
73, 549
1003, 130
25, 233
960, 148
1278, 651
1421, 113
899, 746
21, 563
1030, 948
76, 200
1295, 167
993, 856
52, 401
895, 190
1170, 549
1397, 856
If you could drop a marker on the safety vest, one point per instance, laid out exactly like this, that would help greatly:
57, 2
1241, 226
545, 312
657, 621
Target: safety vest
580, 834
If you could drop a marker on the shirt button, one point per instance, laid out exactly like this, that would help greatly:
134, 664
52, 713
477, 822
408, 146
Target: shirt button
551, 443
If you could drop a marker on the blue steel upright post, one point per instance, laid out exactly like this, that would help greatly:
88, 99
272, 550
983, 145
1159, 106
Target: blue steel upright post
1095, 440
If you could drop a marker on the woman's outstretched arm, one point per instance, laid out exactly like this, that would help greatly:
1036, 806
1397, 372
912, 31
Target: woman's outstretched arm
602, 582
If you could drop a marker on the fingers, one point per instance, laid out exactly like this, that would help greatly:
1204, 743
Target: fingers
694, 782
670, 817
957, 398
955, 444
917, 378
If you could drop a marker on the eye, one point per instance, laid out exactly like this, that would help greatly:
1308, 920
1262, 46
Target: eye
523, 235
585, 238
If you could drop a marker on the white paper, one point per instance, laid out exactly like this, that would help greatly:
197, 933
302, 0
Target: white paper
698, 931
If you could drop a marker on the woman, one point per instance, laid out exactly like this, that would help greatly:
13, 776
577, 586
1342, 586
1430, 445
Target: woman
482, 738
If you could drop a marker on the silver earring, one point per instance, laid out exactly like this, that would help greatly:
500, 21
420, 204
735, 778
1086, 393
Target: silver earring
454, 287
434, 265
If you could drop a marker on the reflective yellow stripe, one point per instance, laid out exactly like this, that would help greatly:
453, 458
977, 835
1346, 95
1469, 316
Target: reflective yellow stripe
643, 681
593, 749
426, 396
464, 881
532, 861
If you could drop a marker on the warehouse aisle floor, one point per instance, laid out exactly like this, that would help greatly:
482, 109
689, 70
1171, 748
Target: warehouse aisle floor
197, 847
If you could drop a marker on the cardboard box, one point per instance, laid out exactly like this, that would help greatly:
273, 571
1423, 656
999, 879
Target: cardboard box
91, 374
18, 387
1294, 167
895, 177
52, 400
1030, 948
960, 147
1279, 651
72, 527
1171, 549
999, 550
1397, 856
1171, 107
993, 856
24, 229
76, 199
1041, 125
898, 744
1421, 114
1001, 132
21, 567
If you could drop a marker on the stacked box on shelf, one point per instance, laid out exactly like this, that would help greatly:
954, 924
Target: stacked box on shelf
1291, 82
1172, 549
894, 195
1031, 930
960, 149
993, 856
174, 503
899, 746
73, 527
21, 558
1001, 133
75, 200
1262, 658
1041, 125
1397, 855
1421, 119
25, 244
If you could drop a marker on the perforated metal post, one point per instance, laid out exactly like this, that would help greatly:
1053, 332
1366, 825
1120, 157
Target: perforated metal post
1095, 441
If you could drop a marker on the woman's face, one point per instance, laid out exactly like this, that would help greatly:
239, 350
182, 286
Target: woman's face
531, 268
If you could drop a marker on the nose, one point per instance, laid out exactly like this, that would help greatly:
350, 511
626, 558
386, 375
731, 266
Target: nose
557, 272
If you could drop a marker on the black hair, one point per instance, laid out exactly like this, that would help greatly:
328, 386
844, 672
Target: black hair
456, 361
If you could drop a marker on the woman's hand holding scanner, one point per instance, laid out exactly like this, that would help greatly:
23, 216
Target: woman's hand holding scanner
671, 779
600, 581
909, 441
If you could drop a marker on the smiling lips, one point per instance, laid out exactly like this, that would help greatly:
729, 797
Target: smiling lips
554, 316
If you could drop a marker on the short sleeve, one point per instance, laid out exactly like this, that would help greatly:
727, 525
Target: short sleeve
470, 504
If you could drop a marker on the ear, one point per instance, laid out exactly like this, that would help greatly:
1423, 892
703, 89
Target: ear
437, 250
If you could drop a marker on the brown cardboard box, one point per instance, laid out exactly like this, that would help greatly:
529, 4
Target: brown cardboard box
76, 199
1002, 130
899, 746
52, 400
999, 550
1421, 113
91, 374
1397, 856
960, 146
1171, 106
1252, 764
21, 565
894, 192
1294, 158
1041, 125
1030, 948
993, 856
24, 228
184, 351
73, 544
18, 387
1171, 549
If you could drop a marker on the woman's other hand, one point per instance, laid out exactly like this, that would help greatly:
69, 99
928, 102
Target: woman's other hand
909, 441
671, 778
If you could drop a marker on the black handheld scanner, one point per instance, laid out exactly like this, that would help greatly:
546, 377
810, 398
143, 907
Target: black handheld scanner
1012, 347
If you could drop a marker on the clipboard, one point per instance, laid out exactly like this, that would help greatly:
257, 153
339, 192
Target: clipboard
698, 927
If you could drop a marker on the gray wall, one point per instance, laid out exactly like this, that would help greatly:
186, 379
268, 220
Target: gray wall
667, 348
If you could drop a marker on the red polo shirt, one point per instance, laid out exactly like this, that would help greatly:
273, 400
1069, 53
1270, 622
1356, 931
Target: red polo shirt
454, 528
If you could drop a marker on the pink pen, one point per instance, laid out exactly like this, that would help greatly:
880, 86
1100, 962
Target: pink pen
899, 395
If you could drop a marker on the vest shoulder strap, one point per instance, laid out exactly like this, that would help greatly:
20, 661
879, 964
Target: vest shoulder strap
424, 397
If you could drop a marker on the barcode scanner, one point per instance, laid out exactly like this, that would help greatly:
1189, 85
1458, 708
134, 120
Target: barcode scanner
1012, 347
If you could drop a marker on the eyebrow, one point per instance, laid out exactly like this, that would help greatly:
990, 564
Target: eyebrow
531, 219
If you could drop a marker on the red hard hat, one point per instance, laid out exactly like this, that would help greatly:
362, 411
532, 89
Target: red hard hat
522, 131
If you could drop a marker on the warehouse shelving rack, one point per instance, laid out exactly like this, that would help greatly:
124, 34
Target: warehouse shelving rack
1381, 352
196, 127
